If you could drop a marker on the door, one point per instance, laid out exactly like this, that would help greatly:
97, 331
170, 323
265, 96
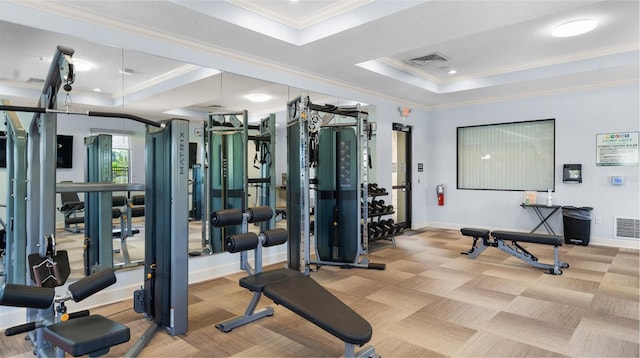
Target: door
401, 174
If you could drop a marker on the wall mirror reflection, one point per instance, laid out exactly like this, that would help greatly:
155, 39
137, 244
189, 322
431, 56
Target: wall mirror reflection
116, 80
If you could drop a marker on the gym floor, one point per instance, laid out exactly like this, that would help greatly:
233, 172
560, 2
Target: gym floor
430, 302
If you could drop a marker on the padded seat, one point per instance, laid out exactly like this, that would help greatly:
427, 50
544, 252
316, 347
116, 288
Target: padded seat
481, 233
307, 298
92, 335
256, 283
527, 237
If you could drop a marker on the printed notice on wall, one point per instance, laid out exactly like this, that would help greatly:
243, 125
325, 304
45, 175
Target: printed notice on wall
617, 149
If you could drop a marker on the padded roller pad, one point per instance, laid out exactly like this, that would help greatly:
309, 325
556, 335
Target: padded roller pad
137, 200
89, 285
259, 214
481, 233
226, 217
256, 283
84, 335
275, 237
241, 242
307, 298
526, 237
26, 296
118, 200
137, 211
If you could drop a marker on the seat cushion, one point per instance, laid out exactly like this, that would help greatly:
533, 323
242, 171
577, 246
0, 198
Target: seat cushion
83, 335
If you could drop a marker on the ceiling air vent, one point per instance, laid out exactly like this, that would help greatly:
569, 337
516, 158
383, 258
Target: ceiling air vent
429, 59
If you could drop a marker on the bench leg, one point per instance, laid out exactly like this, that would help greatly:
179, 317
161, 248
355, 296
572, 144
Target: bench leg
249, 315
527, 257
368, 351
476, 248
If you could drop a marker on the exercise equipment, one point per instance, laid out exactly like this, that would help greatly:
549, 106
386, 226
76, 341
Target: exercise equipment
225, 180
71, 207
334, 142
482, 239
164, 297
77, 333
263, 137
289, 288
15, 253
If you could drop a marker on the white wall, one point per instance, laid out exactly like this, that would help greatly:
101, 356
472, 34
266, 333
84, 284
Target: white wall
579, 117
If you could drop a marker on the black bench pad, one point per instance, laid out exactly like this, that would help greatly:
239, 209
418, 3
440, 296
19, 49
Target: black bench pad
526, 237
307, 298
481, 233
83, 335
256, 283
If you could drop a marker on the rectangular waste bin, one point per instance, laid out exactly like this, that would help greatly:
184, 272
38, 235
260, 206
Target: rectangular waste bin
577, 225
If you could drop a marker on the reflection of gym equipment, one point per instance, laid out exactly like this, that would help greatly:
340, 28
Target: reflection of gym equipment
482, 239
196, 193
263, 137
70, 208
15, 254
77, 333
333, 140
225, 178
289, 288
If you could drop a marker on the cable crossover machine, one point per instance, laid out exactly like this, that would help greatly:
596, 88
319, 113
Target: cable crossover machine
31, 242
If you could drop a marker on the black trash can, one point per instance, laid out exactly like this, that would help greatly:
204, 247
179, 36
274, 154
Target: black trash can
577, 224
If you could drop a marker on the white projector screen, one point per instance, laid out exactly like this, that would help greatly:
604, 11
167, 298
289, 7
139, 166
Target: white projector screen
507, 156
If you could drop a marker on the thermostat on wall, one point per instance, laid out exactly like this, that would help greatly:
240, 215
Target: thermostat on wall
617, 180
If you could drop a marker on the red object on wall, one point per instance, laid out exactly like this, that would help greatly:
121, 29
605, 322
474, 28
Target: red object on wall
440, 192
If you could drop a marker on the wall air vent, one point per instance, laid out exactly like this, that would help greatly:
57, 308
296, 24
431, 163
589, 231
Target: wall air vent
430, 59
626, 228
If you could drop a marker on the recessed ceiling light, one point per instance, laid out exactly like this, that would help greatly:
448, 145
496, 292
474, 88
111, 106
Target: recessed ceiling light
257, 97
452, 72
81, 66
97, 90
574, 28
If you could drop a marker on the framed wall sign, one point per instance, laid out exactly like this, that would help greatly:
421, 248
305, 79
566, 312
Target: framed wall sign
613, 149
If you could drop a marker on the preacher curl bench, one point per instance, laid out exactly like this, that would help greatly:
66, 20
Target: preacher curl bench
75, 333
484, 238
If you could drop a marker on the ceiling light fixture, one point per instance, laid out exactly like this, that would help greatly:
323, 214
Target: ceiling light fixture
257, 97
452, 72
81, 65
574, 28
97, 90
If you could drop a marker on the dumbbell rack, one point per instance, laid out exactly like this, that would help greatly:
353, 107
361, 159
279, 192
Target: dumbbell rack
378, 228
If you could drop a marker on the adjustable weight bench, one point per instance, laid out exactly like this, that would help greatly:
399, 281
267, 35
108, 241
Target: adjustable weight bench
288, 288
483, 239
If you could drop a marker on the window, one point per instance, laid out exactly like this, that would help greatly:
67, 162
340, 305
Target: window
507, 156
120, 154
120, 157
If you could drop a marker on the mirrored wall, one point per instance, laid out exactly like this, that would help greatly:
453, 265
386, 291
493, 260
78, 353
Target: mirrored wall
111, 79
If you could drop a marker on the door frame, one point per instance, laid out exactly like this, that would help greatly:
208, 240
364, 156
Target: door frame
399, 127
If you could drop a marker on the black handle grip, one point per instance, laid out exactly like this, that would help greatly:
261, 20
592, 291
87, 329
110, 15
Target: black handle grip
77, 314
23, 328
26, 296
91, 284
